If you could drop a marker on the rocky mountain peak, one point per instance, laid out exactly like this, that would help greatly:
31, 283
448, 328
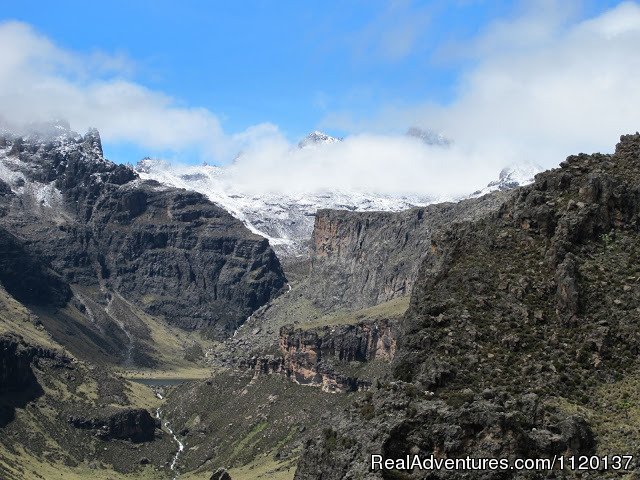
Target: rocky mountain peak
93, 142
428, 136
316, 138
512, 176
40, 131
100, 224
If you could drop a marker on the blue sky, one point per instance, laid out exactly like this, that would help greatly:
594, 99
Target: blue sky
281, 67
285, 62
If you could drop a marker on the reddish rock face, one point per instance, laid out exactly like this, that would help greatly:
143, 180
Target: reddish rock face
314, 357
362, 342
310, 355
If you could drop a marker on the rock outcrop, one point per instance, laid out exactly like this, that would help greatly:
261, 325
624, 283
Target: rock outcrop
18, 382
361, 342
135, 424
16, 358
15, 364
314, 356
220, 474
519, 323
171, 252
361, 259
27, 277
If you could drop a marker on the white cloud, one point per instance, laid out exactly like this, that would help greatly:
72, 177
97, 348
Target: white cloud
40, 81
392, 35
540, 87
366, 163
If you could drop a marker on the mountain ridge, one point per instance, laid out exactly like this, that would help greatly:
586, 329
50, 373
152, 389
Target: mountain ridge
520, 340
100, 225
286, 220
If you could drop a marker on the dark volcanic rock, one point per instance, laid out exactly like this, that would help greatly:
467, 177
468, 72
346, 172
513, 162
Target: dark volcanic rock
15, 364
184, 258
519, 323
135, 424
220, 474
361, 259
16, 358
27, 277
18, 383
171, 252
5, 189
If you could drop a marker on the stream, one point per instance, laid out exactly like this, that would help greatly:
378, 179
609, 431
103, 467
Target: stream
166, 426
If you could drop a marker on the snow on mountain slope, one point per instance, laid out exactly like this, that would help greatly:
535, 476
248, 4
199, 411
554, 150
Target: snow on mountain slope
286, 220
317, 138
429, 136
511, 177
28, 178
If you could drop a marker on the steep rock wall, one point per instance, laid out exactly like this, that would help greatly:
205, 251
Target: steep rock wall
27, 277
519, 325
135, 424
361, 259
313, 357
172, 252
362, 342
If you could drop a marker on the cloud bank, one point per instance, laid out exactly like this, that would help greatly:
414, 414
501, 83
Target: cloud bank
40, 81
535, 89
540, 87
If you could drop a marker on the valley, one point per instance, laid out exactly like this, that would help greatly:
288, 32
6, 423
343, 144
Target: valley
147, 332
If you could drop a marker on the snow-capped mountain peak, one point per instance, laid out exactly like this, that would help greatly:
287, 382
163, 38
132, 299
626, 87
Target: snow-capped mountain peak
513, 176
317, 138
148, 164
285, 218
429, 137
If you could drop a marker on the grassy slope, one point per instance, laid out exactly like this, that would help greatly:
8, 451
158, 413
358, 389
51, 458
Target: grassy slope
15, 318
256, 427
36, 443
392, 309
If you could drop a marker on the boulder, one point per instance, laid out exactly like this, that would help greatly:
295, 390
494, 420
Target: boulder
220, 474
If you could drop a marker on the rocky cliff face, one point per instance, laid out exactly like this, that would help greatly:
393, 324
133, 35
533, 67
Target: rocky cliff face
16, 358
18, 383
172, 252
135, 424
15, 365
313, 357
27, 277
317, 356
362, 342
361, 259
545, 289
